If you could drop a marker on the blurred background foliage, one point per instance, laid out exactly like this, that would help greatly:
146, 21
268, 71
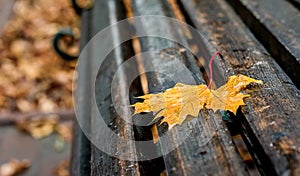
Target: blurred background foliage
32, 76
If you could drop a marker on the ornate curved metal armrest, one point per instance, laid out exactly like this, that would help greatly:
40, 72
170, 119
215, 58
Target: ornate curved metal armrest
57, 38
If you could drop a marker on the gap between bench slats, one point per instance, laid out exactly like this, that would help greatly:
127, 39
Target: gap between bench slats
105, 13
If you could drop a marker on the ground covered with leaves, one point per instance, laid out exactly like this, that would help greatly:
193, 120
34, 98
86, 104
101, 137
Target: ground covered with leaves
33, 77
35, 80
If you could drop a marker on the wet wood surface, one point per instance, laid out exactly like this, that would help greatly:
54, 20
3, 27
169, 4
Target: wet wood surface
80, 161
102, 163
207, 139
270, 120
277, 28
262, 46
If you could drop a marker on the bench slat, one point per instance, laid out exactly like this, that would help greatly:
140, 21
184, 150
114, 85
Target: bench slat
270, 120
277, 28
87, 158
269, 123
80, 161
195, 156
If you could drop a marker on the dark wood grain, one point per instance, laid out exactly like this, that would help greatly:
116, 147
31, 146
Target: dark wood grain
80, 156
270, 119
268, 124
276, 25
87, 159
208, 150
102, 163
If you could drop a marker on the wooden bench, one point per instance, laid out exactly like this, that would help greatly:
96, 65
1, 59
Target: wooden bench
255, 38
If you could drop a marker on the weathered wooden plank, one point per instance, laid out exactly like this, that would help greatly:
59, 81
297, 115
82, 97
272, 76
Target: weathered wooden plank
278, 30
270, 120
80, 157
109, 12
102, 163
106, 13
208, 150
87, 158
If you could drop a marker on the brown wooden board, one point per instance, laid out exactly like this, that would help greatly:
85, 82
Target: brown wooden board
194, 156
109, 12
87, 159
276, 24
270, 119
102, 163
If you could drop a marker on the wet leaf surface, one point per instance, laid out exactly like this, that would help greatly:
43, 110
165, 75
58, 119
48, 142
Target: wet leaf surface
177, 103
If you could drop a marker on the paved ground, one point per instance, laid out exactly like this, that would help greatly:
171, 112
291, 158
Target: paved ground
42, 153
14, 144
5, 11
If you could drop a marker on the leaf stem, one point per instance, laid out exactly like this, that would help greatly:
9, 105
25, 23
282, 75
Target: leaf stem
210, 67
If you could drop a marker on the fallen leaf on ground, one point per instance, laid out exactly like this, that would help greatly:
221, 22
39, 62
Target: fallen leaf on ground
39, 127
14, 167
176, 103
64, 130
62, 169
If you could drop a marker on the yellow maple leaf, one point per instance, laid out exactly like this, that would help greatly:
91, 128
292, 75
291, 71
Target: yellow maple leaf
176, 103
